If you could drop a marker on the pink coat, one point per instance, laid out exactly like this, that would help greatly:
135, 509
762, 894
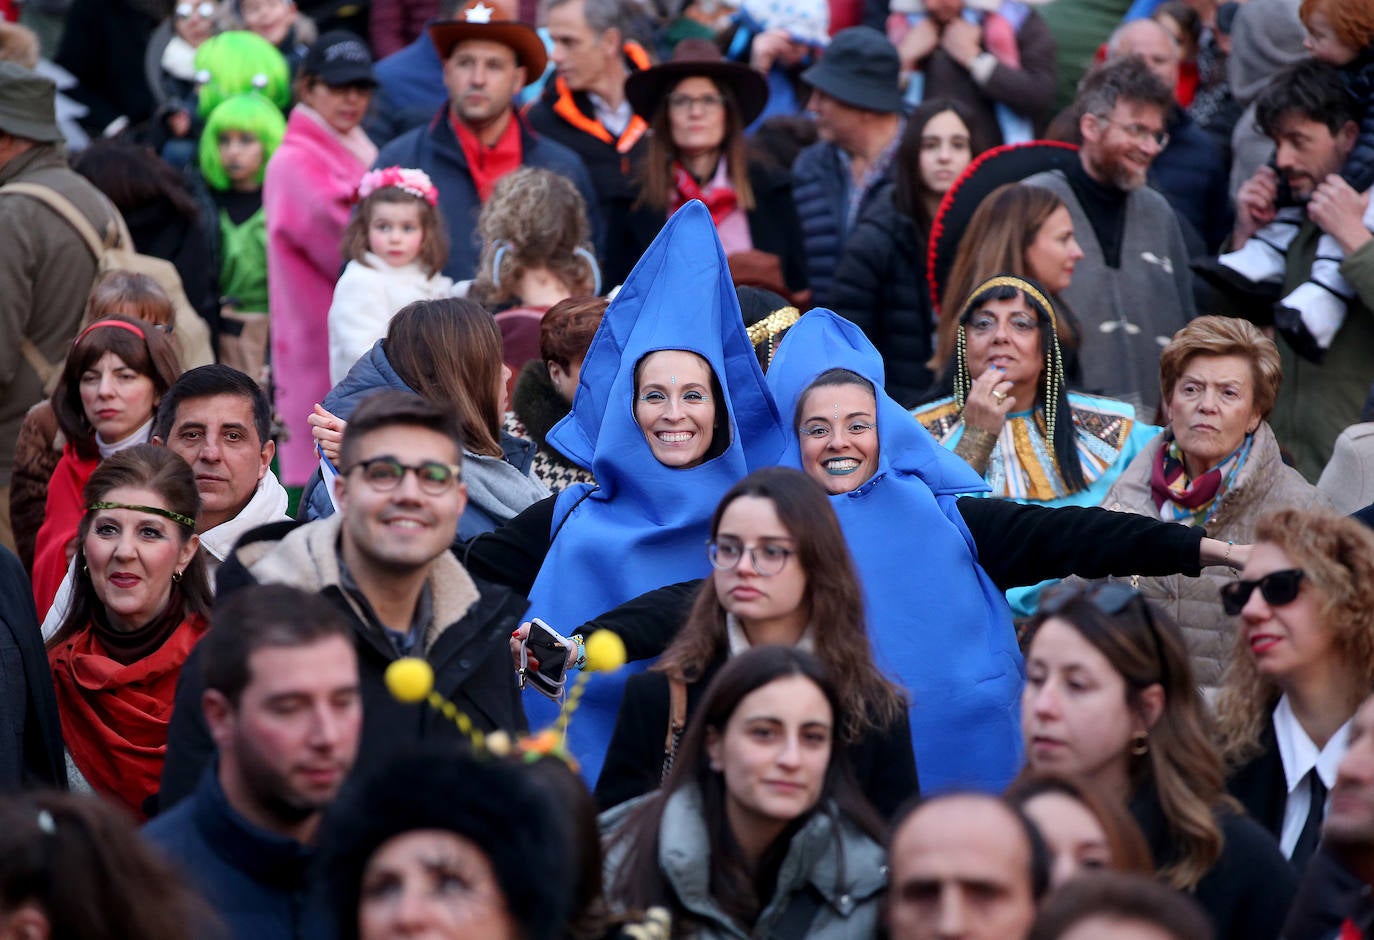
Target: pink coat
307, 197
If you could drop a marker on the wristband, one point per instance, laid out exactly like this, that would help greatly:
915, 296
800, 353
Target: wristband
581, 645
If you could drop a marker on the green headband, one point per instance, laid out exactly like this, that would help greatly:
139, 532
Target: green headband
174, 516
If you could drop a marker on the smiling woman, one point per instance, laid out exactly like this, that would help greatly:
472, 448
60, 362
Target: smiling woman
138, 607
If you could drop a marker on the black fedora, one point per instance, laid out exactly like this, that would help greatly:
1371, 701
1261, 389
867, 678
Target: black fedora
859, 68
692, 57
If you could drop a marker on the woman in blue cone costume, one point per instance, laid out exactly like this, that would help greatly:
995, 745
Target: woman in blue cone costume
938, 622
671, 411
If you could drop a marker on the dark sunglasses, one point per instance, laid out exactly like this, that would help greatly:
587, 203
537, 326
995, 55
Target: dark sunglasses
1277, 588
1110, 598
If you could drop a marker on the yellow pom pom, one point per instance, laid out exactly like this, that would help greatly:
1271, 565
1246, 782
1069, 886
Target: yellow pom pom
498, 742
409, 679
605, 652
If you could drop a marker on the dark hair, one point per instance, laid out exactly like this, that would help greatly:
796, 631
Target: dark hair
434, 233
488, 801
1121, 897
83, 863
562, 787
637, 883
756, 304
656, 179
268, 615
449, 352
144, 467
1146, 648
908, 189
390, 408
1130, 852
868, 701
566, 331
153, 355
1065, 443
777, 140
1124, 79
1039, 853
721, 427
830, 378
133, 176
1311, 90
207, 382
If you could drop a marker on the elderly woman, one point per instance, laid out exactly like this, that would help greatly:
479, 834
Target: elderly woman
1216, 465
697, 107
138, 608
1011, 415
1301, 663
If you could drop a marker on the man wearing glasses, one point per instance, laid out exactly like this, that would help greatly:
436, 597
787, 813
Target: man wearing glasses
1132, 290
384, 561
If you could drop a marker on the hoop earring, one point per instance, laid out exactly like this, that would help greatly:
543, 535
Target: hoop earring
1140, 744
176, 577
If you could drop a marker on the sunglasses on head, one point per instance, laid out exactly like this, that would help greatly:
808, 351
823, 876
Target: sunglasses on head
1110, 598
1277, 588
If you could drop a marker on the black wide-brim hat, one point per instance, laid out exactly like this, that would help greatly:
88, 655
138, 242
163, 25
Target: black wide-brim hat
644, 90
1010, 163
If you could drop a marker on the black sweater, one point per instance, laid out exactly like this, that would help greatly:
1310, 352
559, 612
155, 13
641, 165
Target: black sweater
1017, 544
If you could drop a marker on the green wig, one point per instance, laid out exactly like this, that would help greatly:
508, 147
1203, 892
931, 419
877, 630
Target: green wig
239, 61
248, 114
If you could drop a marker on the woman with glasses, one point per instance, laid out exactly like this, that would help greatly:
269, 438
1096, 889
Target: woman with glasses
1110, 698
782, 576
697, 107
1216, 464
1302, 661
1011, 415
116, 373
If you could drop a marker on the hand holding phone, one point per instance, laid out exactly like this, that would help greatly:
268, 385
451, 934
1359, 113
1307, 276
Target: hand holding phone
550, 652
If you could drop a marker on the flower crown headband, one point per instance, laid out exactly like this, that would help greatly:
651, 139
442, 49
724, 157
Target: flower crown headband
407, 179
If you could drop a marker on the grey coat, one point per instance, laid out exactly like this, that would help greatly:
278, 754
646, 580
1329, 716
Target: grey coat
849, 872
1127, 314
1264, 484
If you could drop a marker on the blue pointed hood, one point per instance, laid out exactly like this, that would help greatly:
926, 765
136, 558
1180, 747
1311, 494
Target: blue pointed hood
645, 524
823, 340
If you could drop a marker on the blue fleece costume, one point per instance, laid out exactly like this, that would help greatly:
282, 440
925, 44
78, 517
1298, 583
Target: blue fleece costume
938, 623
646, 524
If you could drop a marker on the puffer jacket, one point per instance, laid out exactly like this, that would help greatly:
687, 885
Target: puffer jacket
847, 870
880, 286
820, 180
1264, 484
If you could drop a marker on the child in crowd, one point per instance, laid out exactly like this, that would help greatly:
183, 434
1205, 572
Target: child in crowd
235, 63
240, 137
1341, 34
280, 23
396, 246
173, 77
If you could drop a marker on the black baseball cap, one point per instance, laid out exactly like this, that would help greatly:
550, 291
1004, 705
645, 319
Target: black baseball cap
339, 58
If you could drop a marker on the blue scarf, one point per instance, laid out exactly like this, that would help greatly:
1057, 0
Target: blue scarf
937, 622
644, 524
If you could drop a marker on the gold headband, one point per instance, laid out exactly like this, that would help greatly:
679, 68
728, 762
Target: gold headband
167, 513
1010, 280
773, 324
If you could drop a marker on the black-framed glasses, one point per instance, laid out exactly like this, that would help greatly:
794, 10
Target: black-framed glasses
1277, 588
768, 559
386, 473
1111, 598
1139, 132
688, 103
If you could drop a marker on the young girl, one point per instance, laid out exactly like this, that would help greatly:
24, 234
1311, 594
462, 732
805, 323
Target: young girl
396, 245
1340, 35
240, 137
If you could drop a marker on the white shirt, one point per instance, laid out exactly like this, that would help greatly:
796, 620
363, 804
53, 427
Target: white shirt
1300, 756
614, 120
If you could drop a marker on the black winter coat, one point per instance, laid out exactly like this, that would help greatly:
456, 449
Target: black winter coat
820, 181
880, 286
1328, 895
31, 755
470, 658
1192, 175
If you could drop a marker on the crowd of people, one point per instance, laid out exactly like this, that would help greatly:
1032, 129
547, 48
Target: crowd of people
591, 469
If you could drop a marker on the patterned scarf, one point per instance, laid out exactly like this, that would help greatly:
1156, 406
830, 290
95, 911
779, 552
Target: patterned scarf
719, 197
1192, 502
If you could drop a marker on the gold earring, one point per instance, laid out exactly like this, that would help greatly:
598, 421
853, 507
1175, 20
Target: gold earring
1140, 744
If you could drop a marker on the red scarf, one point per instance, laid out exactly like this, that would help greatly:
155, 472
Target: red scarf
489, 164
114, 718
1350, 932
719, 198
